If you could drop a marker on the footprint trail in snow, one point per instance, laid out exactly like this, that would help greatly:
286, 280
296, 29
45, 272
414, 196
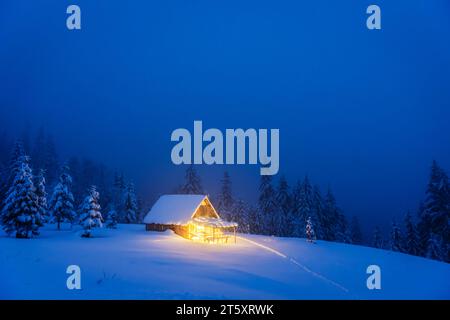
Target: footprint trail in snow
298, 264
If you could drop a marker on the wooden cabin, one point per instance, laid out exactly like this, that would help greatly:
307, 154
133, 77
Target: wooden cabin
191, 216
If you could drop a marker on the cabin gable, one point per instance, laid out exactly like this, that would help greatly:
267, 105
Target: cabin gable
205, 210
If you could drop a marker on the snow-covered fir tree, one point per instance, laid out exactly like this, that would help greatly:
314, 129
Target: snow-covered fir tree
15, 161
377, 238
267, 206
435, 247
111, 218
296, 197
4, 147
25, 138
284, 208
347, 233
317, 212
11, 168
225, 201
130, 205
335, 226
410, 243
38, 154
355, 231
253, 221
329, 216
239, 214
3, 184
344, 234
78, 189
396, 239
103, 185
51, 161
423, 230
309, 230
41, 195
193, 183
302, 206
436, 210
20, 214
119, 188
62, 202
90, 215
342, 229
140, 215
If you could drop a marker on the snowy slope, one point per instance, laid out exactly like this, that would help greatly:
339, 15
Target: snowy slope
130, 263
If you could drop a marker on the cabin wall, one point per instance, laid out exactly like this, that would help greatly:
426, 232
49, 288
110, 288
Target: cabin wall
182, 231
156, 227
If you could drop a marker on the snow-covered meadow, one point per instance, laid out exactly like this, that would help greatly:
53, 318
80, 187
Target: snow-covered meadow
130, 263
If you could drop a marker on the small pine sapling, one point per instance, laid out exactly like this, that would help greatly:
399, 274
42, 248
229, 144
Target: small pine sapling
90, 216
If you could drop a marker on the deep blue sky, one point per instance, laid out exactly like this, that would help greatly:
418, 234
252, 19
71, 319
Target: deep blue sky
364, 111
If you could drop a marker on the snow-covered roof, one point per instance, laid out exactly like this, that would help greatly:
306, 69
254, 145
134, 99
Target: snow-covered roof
175, 209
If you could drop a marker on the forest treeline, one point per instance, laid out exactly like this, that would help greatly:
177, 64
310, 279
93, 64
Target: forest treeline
36, 187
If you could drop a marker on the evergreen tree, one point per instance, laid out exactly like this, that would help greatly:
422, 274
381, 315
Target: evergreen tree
377, 239
347, 233
15, 161
20, 212
104, 185
309, 230
25, 139
423, 230
329, 217
4, 148
267, 206
437, 207
253, 221
335, 228
140, 214
51, 161
410, 245
343, 232
3, 182
193, 184
130, 205
434, 248
239, 215
396, 238
355, 231
41, 195
118, 190
283, 201
77, 187
296, 224
225, 202
12, 169
90, 215
88, 172
317, 216
62, 201
111, 218
38, 153
302, 207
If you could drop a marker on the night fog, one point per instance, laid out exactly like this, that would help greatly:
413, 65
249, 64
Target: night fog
364, 113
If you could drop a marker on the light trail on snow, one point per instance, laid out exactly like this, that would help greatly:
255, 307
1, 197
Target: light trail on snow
298, 264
